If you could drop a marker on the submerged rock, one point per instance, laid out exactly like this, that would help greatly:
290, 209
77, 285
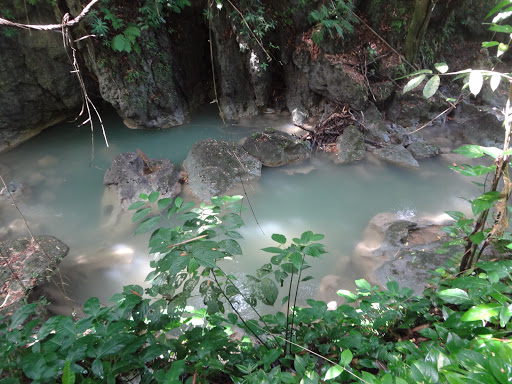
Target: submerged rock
130, 176
350, 145
25, 264
275, 148
214, 167
397, 155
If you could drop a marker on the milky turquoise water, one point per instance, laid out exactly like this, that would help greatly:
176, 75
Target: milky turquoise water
64, 196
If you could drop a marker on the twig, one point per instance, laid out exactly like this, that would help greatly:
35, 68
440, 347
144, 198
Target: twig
188, 241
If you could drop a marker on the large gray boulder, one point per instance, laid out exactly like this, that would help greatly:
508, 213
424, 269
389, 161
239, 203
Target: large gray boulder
397, 155
375, 125
25, 264
214, 167
350, 145
130, 175
275, 148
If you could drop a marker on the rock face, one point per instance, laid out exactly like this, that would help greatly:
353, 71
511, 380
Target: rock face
275, 148
350, 145
130, 176
24, 265
397, 155
402, 250
214, 167
36, 85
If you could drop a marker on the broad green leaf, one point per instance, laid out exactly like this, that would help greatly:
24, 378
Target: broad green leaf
501, 28
68, 376
153, 197
492, 151
347, 295
471, 151
495, 81
431, 87
279, 238
469, 170
136, 205
120, 43
296, 260
178, 201
231, 246
363, 285
111, 346
488, 44
269, 291
441, 67
413, 83
484, 202
476, 80
164, 203
21, 315
147, 225
500, 5
140, 214
346, 357
333, 372
272, 250
482, 312
455, 296
477, 238
92, 306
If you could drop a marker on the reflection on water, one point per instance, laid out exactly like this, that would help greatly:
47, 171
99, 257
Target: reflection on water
63, 196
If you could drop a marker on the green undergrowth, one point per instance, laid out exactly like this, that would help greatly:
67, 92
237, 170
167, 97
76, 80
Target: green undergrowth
456, 332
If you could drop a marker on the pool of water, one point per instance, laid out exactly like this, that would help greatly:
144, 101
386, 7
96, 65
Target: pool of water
63, 195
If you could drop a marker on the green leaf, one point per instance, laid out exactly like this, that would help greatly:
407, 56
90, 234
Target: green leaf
68, 376
92, 307
333, 372
413, 83
120, 43
477, 238
346, 357
178, 201
147, 225
431, 87
111, 346
470, 151
153, 197
231, 246
136, 205
347, 295
21, 315
363, 285
140, 214
269, 291
475, 171
482, 312
486, 201
488, 44
441, 67
279, 238
421, 71
164, 203
497, 8
501, 28
502, 48
455, 296
272, 250
296, 260
476, 80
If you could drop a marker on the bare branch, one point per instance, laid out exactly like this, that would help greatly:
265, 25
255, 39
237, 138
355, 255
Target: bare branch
51, 27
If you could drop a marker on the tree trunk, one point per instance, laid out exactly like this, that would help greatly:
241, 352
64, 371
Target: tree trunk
417, 28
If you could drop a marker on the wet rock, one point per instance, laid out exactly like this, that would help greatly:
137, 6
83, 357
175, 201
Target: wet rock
276, 148
14, 188
375, 125
410, 108
298, 116
214, 167
130, 176
423, 150
24, 265
383, 91
403, 250
350, 145
482, 124
397, 155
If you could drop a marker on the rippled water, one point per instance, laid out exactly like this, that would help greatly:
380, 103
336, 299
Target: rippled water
63, 196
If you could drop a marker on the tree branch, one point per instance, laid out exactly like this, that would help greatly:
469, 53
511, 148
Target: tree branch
51, 27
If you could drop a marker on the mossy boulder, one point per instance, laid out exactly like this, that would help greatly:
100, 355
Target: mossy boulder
275, 148
350, 145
